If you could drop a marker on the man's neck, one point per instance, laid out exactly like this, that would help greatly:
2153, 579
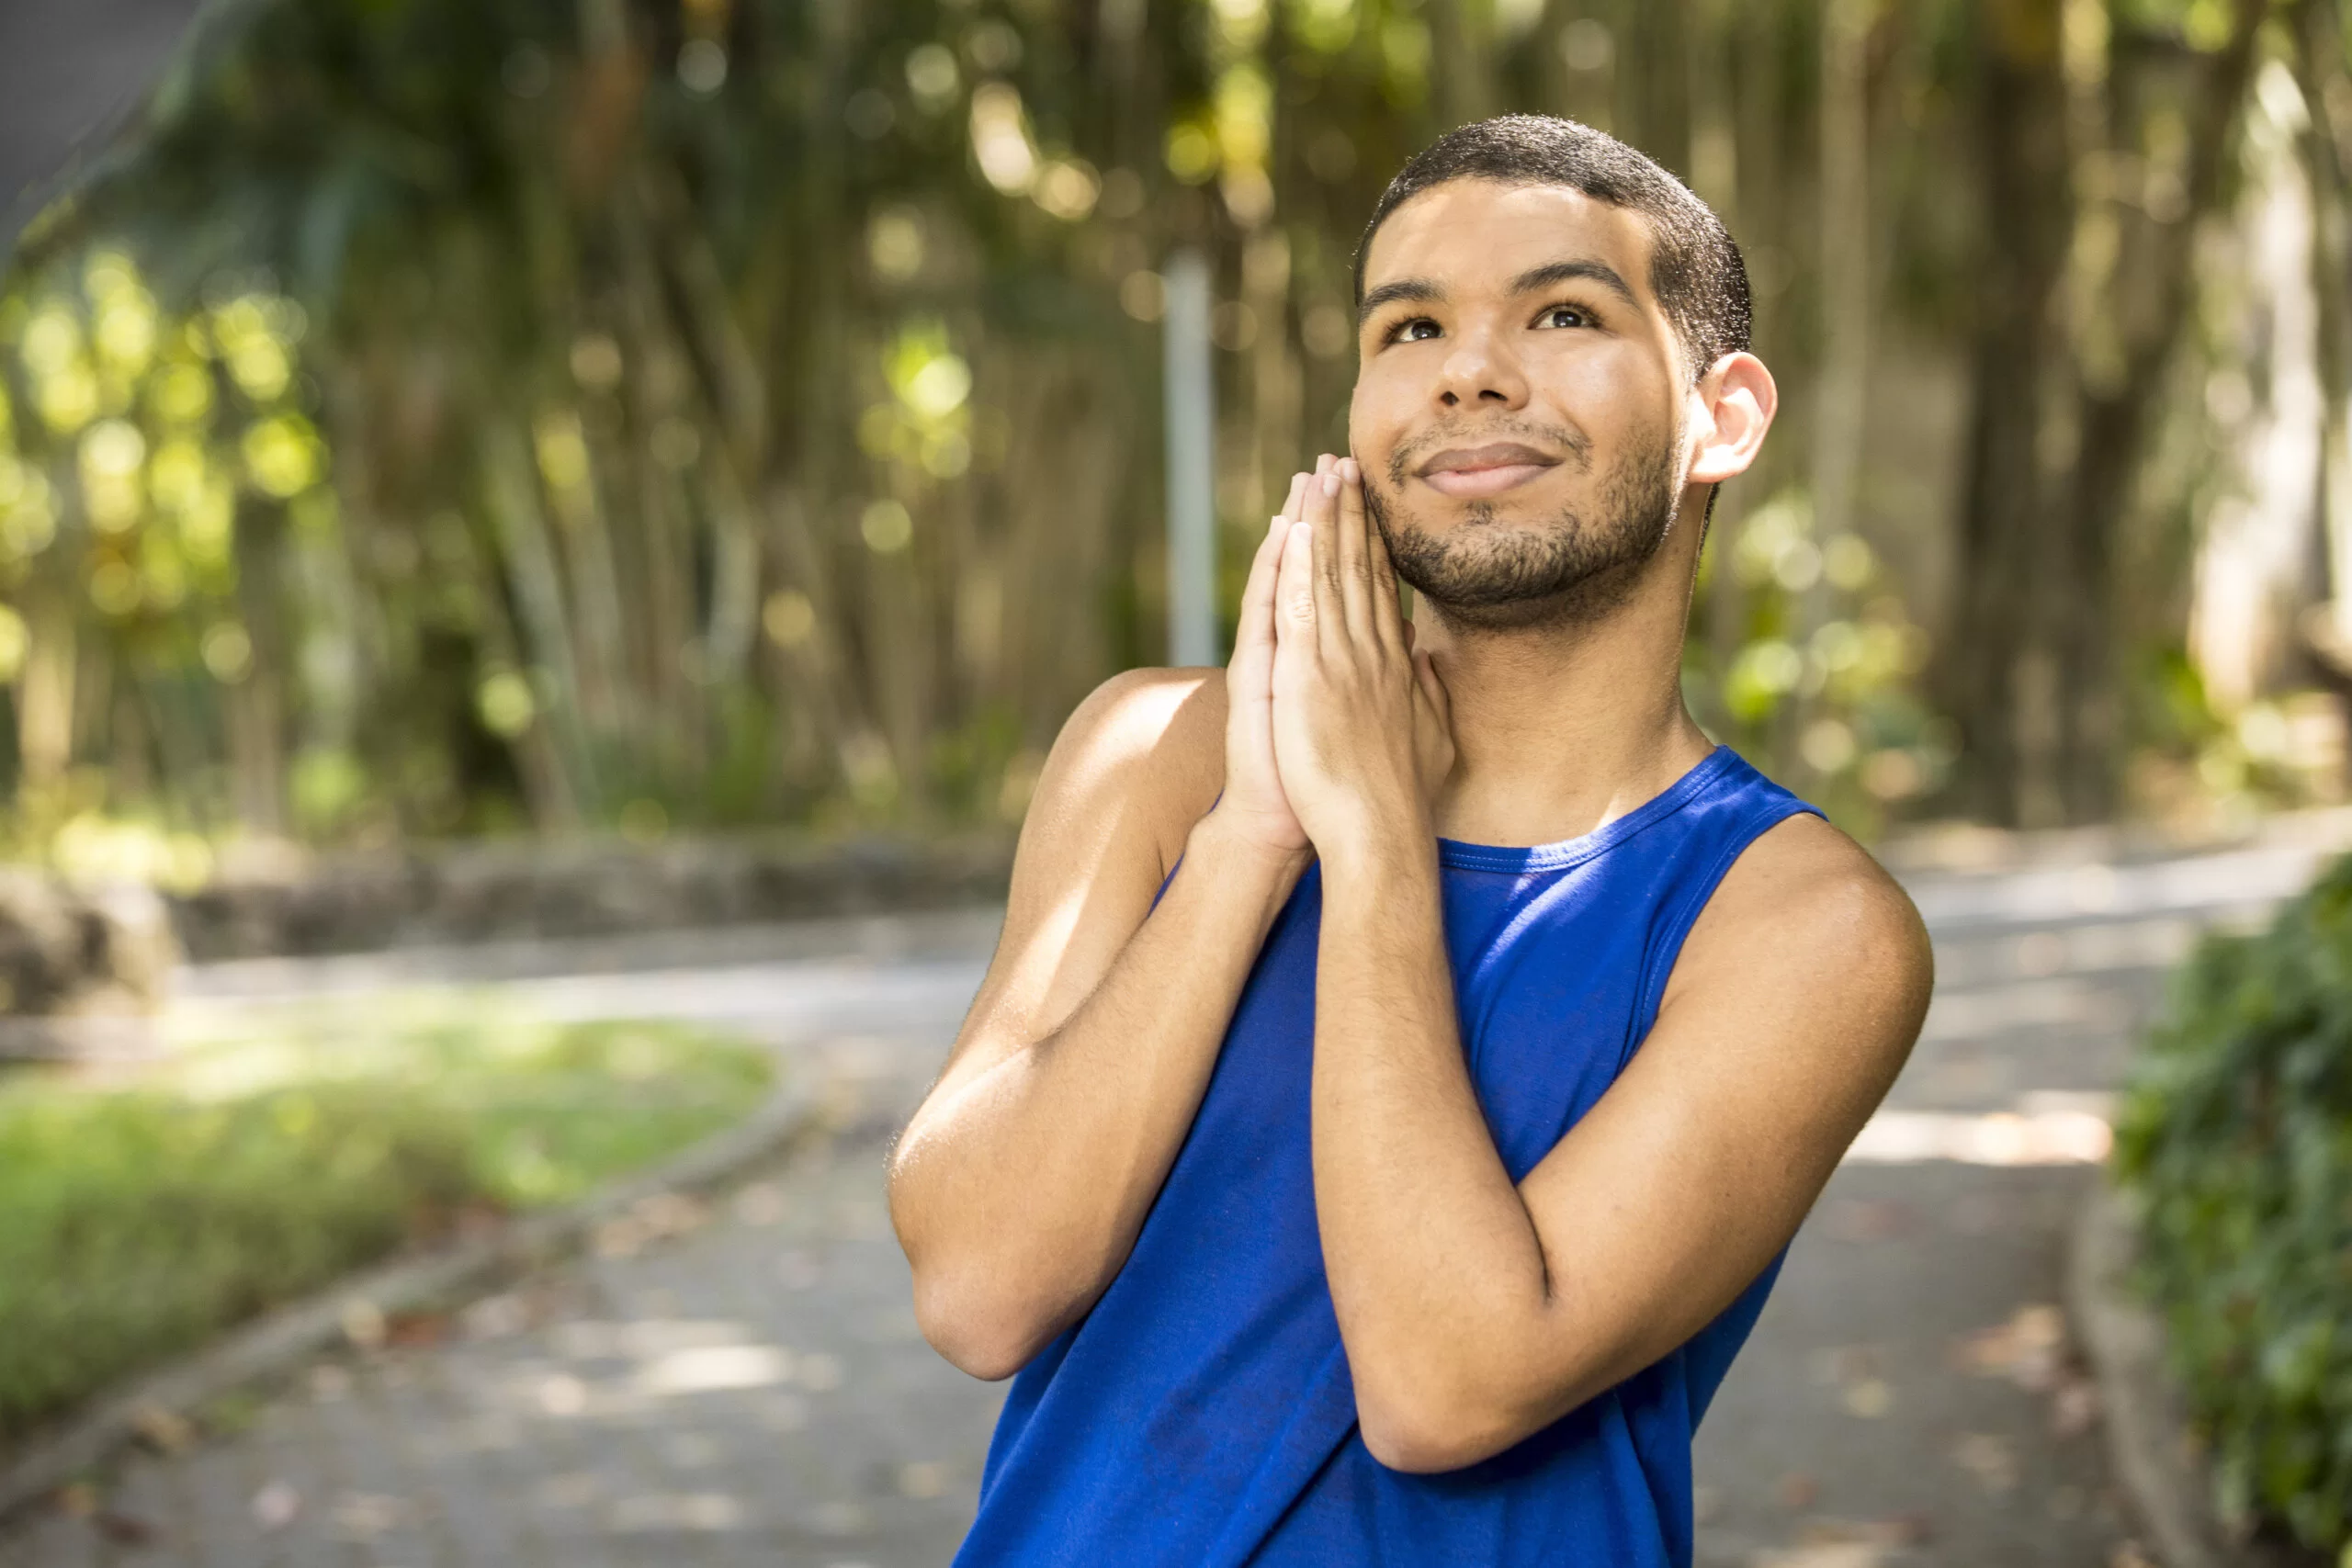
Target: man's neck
1560, 728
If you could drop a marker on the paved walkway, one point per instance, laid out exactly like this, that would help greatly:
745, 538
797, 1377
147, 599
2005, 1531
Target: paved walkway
744, 1385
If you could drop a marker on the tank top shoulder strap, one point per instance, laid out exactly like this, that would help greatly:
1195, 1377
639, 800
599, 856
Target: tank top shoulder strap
1732, 807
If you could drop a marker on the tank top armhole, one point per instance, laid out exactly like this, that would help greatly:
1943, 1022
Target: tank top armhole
1177, 865
1666, 947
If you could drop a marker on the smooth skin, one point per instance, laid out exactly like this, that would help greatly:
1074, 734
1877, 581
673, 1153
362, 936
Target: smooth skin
1474, 1311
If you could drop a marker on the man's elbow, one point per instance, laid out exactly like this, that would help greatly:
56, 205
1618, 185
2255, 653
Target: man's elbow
1423, 1434
1446, 1414
984, 1332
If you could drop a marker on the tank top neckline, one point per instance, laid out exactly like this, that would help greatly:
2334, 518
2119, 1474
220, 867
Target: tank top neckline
1463, 856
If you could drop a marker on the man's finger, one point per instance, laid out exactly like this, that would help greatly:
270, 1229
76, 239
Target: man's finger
1383, 565
1323, 518
1296, 497
1295, 594
1353, 556
1365, 573
1388, 602
1253, 632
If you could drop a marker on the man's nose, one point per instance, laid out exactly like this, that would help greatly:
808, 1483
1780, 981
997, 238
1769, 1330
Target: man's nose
1480, 372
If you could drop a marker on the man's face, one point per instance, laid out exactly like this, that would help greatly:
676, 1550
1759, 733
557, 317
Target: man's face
1516, 410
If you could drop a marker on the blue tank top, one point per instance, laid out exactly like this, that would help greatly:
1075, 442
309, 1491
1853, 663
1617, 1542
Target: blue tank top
1201, 1415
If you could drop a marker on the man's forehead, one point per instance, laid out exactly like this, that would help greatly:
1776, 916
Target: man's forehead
1466, 233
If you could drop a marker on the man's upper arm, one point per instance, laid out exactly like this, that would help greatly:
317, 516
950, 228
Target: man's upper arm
1134, 767
1792, 1009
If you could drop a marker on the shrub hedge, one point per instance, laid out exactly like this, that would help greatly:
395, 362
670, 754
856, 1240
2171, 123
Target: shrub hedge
2237, 1137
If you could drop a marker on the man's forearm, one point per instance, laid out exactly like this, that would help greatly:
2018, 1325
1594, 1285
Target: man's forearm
1018, 1187
1430, 1254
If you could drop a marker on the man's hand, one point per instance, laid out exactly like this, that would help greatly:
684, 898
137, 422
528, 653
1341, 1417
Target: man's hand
1361, 734
1253, 803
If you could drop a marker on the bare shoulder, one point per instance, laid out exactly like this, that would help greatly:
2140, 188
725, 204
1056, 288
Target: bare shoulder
1138, 710
1806, 914
1135, 766
1142, 756
1805, 871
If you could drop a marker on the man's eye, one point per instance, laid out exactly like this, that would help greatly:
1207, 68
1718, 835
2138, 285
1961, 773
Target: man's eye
1419, 328
1565, 316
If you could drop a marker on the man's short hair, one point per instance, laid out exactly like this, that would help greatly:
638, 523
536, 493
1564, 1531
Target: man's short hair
1695, 269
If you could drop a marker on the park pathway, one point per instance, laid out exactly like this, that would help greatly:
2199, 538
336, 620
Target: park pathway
743, 1383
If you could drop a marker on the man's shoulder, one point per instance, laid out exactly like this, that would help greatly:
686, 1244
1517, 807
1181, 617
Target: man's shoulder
1805, 903
1148, 741
1150, 703
1164, 716
1806, 858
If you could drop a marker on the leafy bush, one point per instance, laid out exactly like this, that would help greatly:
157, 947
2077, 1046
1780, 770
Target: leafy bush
137, 1222
2237, 1137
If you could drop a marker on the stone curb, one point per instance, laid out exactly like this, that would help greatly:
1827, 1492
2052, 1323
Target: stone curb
53, 1458
555, 889
2163, 1477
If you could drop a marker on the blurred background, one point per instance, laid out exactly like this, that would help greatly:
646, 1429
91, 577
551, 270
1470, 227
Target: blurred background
435, 419
589, 514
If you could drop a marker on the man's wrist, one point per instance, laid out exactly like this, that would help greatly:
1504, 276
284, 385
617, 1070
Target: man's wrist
1379, 863
1242, 861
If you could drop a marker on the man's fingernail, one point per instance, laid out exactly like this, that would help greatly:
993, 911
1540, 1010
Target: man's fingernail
1348, 471
1330, 484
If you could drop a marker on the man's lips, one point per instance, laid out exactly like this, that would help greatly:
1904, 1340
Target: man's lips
1474, 471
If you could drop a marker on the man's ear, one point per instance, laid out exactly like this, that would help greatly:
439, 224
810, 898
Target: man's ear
1738, 399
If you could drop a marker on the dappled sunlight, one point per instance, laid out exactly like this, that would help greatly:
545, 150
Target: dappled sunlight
588, 1339
2000, 1137
715, 1367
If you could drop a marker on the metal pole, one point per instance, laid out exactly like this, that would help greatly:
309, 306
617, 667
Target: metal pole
1190, 398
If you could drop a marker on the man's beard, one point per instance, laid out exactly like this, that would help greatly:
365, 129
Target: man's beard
1495, 575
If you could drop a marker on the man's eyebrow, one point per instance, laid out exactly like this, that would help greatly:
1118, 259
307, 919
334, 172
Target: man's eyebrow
1542, 277
1419, 289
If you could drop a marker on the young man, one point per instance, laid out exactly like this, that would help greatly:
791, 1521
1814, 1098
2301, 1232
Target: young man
1405, 1063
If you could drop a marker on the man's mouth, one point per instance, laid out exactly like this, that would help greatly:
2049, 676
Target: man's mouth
1477, 471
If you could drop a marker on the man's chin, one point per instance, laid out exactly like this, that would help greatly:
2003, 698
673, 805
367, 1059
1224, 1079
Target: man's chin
1493, 566
1439, 522
1471, 600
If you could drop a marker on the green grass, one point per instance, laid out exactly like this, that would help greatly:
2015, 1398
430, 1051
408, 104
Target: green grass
138, 1220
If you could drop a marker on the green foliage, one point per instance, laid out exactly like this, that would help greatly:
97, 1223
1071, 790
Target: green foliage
465, 414
135, 1223
454, 415
2244, 762
2237, 1137
1818, 661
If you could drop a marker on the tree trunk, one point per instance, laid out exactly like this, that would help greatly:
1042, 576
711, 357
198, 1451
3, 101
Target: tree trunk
2154, 295
1462, 48
2327, 149
1992, 644
1842, 383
